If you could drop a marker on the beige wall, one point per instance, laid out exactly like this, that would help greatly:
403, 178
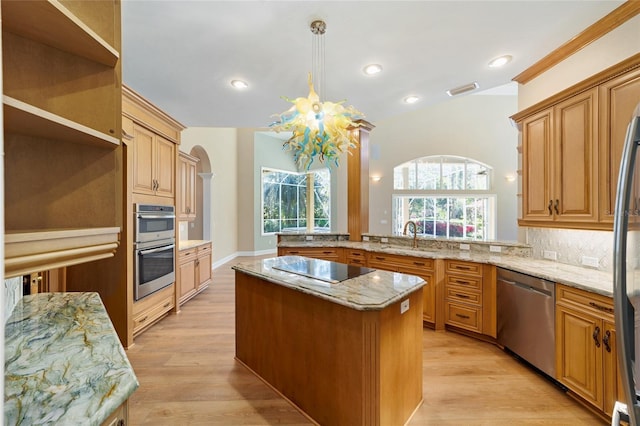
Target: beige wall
221, 145
475, 126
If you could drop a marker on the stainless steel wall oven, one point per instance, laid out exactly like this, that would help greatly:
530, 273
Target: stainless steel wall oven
154, 248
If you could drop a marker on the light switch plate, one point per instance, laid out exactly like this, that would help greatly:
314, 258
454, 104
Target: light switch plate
365, 238
549, 254
465, 246
495, 249
404, 306
309, 237
594, 262
384, 240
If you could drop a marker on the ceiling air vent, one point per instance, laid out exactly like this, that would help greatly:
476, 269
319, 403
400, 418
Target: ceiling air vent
463, 89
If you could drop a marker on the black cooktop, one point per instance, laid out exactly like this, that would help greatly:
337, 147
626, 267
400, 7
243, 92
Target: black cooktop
324, 270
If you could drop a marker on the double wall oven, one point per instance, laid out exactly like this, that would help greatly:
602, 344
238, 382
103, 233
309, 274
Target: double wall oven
154, 248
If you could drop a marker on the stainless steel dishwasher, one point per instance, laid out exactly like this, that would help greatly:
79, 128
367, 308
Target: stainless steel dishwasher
526, 318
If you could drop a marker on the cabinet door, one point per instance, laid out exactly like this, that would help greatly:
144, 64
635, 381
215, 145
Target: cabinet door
191, 190
536, 167
574, 159
429, 298
143, 161
183, 178
617, 99
187, 278
165, 167
204, 267
578, 357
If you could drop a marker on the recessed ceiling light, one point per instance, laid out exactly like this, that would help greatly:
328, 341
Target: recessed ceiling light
239, 84
372, 69
500, 61
462, 89
411, 99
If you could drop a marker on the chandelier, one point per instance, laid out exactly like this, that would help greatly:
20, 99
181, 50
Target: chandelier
319, 129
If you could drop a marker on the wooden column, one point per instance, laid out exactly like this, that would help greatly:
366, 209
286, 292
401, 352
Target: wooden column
358, 183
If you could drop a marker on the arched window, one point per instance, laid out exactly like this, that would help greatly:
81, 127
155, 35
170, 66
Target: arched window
446, 196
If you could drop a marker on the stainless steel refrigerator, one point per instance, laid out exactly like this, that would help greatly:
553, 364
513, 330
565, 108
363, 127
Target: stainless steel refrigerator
626, 275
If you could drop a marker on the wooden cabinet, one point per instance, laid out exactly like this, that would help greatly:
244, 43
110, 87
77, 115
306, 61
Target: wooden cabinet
154, 163
585, 346
194, 271
559, 162
617, 100
470, 296
334, 254
153, 308
571, 150
186, 186
120, 417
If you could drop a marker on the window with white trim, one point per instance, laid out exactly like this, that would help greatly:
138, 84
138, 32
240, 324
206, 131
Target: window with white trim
446, 196
284, 200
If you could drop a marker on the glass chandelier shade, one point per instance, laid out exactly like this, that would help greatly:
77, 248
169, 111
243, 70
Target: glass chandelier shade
322, 130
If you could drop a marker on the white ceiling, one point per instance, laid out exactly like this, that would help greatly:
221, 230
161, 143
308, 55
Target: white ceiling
182, 55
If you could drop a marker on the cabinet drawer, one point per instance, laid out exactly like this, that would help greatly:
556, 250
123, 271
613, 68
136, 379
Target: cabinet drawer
357, 261
466, 317
186, 255
464, 295
581, 299
318, 253
464, 281
416, 263
150, 315
462, 267
355, 254
203, 249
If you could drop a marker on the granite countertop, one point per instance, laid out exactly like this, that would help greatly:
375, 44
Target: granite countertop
64, 363
372, 291
584, 278
189, 244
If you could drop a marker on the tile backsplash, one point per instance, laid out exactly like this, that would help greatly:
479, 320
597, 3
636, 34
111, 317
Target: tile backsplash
572, 245
12, 294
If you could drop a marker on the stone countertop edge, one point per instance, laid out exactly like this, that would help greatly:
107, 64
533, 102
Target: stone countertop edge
588, 279
372, 291
189, 244
64, 363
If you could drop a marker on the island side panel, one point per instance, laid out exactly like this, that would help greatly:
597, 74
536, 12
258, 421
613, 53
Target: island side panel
401, 360
307, 348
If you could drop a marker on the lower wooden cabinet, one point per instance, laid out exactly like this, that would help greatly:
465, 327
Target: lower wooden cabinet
194, 271
120, 417
153, 308
586, 347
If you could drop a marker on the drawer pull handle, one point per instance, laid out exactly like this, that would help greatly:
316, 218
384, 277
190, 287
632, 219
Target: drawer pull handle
327, 252
143, 319
463, 267
556, 206
294, 252
462, 296
166, 305
463, 282
463, 316
605, 340
550, 207
418, 263
600, 307
596, 336
380, 258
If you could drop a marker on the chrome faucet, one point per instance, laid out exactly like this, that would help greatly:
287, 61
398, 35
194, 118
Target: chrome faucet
415, 232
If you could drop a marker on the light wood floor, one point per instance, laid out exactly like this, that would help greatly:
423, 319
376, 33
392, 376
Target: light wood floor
188, 376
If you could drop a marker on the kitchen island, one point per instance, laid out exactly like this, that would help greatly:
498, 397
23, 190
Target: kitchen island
344, 350
64, 363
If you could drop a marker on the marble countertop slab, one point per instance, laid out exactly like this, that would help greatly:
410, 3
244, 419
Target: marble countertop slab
373, 291
593, 280
189, 244
64, 363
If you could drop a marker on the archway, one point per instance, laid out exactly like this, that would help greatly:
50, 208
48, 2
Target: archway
201, 228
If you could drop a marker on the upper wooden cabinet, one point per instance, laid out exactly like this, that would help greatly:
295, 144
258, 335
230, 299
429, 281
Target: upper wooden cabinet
571, 150
186, 186
618, 99
154, 163
154, 138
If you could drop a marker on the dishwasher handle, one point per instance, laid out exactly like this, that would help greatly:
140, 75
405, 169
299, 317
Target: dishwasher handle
527, 287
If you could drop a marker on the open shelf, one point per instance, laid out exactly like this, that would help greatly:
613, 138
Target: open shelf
33, 251
25, 119
49, 22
